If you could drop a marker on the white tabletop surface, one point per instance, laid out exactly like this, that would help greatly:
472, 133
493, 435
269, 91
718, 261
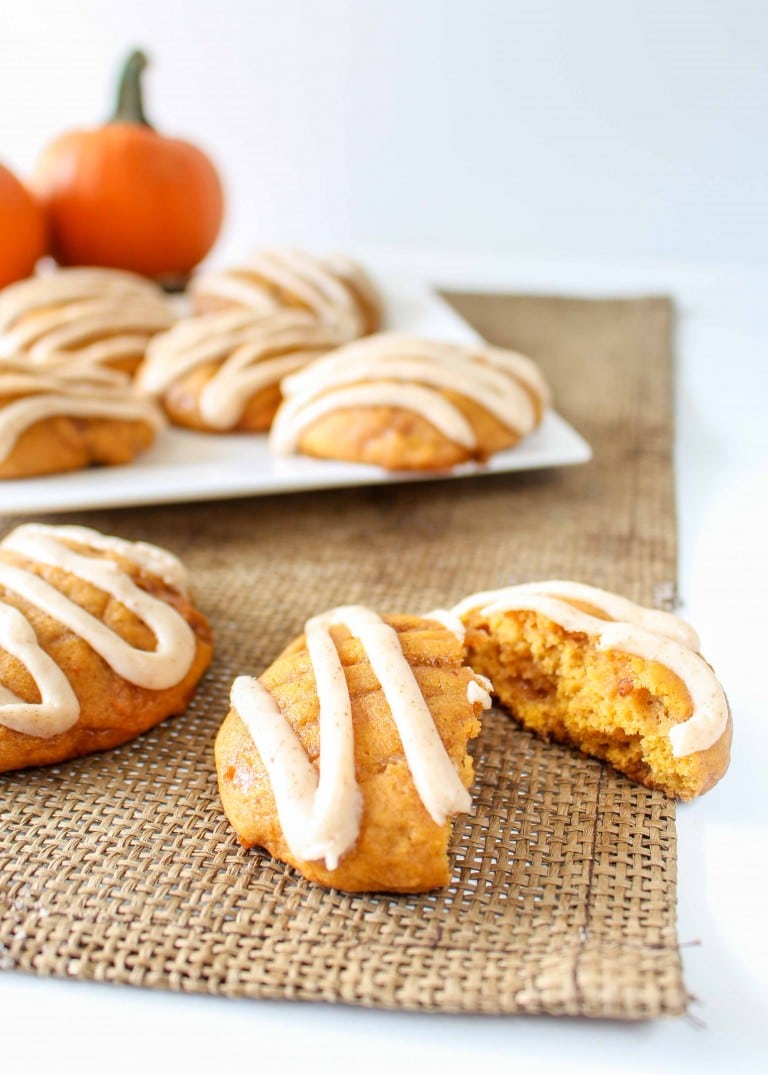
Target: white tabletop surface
722, 476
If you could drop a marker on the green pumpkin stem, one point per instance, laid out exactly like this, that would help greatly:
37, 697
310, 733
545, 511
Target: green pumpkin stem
130, 103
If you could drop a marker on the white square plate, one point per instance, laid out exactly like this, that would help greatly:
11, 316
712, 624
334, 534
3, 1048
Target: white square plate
185, 466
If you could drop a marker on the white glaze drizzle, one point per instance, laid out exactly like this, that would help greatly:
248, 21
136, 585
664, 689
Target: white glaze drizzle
320, 815
328, 287
46, 394
353, 274
479, 690
151, 558
295, 784
48, 336
404, 371
646, 633
613, 605
157, 669
489, 386
69, 285
58, 708
395, 347
448, 620
87, 316
251, 352
291, 419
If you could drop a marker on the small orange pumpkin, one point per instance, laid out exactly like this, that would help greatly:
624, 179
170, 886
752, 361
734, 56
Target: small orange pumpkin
22, 229
123, 196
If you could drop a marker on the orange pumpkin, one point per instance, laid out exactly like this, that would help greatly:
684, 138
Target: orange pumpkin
123, 196
22, 229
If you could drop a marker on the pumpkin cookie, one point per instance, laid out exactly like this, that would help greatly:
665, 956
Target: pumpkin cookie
56, 420
348, 756
98, 642
406, 403
221, 372
83, 317
618, 681
334, 289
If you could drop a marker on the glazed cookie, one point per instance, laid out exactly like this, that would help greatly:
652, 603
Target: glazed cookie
406, 403
348, 756
620, 682
221, 372
334, 289
56, 420
83, 317
98, 642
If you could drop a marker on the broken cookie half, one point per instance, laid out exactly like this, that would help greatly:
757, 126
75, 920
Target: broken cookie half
621, 682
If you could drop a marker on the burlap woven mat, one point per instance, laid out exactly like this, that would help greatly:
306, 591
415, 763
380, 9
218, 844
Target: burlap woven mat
121, 867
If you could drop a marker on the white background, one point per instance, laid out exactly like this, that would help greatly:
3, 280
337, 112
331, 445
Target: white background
574, 147
626, 127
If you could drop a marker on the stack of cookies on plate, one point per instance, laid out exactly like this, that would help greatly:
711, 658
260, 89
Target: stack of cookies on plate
94, 362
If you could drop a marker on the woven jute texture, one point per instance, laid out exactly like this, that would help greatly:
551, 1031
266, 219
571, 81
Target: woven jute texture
122, 868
